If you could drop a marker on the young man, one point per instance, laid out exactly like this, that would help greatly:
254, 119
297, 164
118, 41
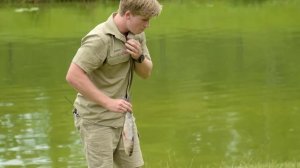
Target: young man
101, 72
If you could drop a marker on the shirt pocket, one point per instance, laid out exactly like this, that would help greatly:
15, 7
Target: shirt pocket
118, 58
118, 64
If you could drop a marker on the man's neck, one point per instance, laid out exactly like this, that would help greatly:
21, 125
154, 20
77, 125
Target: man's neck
121, 24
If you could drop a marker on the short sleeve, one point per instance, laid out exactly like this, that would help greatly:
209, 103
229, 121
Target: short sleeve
91, 54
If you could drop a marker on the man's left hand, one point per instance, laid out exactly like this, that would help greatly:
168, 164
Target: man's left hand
133, 47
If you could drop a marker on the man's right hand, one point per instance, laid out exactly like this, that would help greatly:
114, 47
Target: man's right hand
118, 105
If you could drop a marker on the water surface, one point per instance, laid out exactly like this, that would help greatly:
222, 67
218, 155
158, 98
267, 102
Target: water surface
224, 88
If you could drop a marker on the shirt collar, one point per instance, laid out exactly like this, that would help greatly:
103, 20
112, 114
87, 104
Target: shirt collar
111, 28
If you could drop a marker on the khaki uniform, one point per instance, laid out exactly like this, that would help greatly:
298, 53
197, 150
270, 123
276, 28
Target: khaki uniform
102, 56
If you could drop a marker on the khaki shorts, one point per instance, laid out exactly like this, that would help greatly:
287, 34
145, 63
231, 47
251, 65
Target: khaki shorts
104, 147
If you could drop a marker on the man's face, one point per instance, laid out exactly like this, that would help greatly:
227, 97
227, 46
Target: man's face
136, 24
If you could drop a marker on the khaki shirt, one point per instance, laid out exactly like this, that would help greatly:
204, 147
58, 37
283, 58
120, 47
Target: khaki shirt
102, 56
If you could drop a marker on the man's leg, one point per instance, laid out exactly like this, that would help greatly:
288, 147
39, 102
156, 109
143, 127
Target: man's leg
98, 144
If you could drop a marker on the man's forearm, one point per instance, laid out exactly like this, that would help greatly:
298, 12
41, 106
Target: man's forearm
144, 69
77, 78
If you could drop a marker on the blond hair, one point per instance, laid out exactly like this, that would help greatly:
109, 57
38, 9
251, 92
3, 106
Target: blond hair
147, 8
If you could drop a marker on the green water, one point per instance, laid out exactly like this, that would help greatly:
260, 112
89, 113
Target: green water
224, 90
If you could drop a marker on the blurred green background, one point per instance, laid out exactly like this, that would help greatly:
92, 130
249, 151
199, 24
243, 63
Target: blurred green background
224, 89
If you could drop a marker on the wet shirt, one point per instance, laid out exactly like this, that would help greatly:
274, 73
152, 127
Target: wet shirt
102, 56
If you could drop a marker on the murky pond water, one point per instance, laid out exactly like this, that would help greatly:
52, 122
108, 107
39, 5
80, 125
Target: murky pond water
225, 86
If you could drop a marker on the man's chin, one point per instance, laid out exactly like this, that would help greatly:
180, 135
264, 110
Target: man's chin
137, 32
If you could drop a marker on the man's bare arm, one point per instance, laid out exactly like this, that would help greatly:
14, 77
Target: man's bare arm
78, 79
143, 69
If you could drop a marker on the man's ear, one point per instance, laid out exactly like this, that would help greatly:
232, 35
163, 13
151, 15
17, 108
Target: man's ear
127, 15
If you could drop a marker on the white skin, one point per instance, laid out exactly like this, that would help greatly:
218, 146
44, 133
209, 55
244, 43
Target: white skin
78, 79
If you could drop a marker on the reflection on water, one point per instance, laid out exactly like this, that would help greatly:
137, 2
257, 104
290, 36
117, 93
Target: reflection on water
24, 140
30, 132
216, 95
